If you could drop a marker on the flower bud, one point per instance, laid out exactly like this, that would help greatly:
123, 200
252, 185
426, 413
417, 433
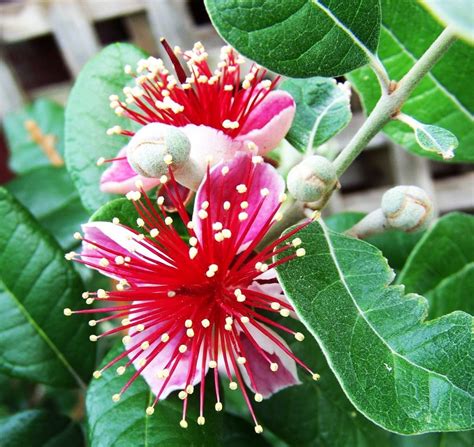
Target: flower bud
155, 147
407, 208
312, 179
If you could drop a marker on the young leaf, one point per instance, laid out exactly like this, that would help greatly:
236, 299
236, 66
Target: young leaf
405, 375
124, 423
436, 139
457, 14
32, 133
300, 38
39, 428
443, 97
322, 110
51, 197
88, 116
447, 285
37, 342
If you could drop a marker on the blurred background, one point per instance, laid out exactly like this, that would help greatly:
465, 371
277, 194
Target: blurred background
44, 44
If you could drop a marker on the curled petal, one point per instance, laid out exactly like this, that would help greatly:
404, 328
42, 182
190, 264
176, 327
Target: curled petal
120, 178
270, 121
268, 284
254, 189
208, 146
267, 382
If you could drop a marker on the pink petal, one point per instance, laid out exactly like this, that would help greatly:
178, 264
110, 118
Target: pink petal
113, 240
178, 379
270, 121
224, 189
208, 146
268, 284
120, 178
266, 381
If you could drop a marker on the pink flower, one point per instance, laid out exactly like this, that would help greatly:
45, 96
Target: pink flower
219, 114
201, 304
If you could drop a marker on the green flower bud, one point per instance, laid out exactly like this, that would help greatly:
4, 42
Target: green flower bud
157, 146
407, 208
312, 179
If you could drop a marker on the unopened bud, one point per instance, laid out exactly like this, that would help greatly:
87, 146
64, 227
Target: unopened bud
407, 208
312, 179
155, 147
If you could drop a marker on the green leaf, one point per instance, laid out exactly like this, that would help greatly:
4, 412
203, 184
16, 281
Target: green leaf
443, 97
405, 375
436, 139
447, 284
126, 212
322, 110
51, 197
121, 208
125, 423
25, 153
39, 428
37, 342
458, 14
395, 245
237, 432
460, 439
300, 38
88, 116
317, 413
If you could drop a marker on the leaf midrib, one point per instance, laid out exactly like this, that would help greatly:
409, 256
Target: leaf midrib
43, 334
317, 122
362, 315
344, 28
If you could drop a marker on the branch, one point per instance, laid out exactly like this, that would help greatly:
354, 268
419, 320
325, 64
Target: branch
390, 103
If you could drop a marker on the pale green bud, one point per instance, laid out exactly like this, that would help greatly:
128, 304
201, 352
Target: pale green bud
407, 208
156, 147
312, 179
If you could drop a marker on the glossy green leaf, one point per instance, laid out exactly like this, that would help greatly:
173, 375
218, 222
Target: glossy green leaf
88, 116
26, 154
322, 110
443, 97
395, 245
39, 428
37, 342
442, 265
300, 38
402, 373
460, 439
122, 209
436, 139
318, 413
127, 214
51, 197
237, 432
456, 13
125, 423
